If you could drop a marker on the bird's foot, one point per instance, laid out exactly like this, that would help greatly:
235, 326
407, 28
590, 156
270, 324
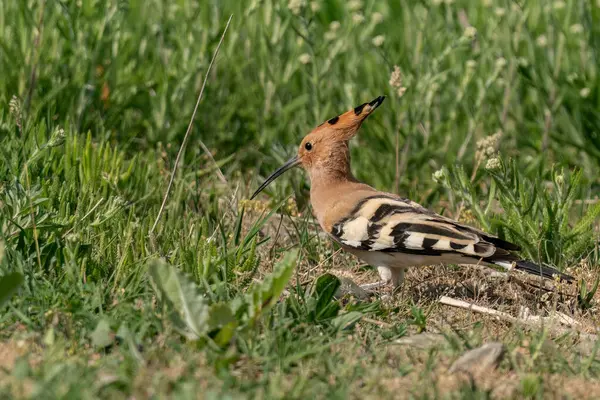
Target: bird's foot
371, 287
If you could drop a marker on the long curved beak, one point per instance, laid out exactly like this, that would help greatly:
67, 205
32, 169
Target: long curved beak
291, 163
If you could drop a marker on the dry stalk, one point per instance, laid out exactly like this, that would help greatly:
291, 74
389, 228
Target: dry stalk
533, 321
189, 129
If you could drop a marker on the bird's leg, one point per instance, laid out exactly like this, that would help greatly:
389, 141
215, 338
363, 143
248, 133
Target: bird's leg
397, 277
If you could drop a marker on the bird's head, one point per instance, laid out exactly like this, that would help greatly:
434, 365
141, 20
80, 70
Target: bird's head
325, 149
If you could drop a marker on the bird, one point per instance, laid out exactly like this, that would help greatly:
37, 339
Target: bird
383, 229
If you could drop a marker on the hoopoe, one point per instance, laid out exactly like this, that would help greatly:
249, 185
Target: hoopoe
383, 229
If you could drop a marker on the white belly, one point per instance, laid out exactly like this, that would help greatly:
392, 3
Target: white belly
404, 260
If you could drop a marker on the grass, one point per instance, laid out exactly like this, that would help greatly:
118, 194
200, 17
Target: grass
95, 98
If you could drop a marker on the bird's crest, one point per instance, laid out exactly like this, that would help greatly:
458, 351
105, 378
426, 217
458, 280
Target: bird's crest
345, 126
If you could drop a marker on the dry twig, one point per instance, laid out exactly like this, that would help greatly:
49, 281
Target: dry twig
189, 129
525, 318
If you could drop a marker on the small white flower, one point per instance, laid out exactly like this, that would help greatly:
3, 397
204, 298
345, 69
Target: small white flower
438, 175
541, 41
500, 12
57, 138
315, 6
522, 61
296, 6
585, 92
304, 58
14, 106
354, 5
377, 18
559, 5
396, 77
493, 164
486, 147
489, 3
396, 81
500, 62
470, 32
358, 18
438, 2
334, 26
330, 35
577, 28
378, 40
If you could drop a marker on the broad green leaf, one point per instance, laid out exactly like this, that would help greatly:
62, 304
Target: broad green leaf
9, 284
345, 320
102, 336
182, 296
125, 334
325, 288
221, 318
220, 314
225, 334
49, 337
264, 295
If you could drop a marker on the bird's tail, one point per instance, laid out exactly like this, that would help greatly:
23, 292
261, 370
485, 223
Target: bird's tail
532, 268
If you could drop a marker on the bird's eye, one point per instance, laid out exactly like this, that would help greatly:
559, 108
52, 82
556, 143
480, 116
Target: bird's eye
308, 146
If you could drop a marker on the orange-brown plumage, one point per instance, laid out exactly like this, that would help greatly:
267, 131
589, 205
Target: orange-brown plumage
381, 228
328, 164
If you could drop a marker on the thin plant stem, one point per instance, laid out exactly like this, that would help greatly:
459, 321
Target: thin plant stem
189, 130
35, 233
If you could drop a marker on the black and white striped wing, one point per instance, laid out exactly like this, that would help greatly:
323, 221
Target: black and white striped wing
388, 224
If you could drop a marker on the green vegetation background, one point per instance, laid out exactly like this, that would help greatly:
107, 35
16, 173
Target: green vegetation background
95, 97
